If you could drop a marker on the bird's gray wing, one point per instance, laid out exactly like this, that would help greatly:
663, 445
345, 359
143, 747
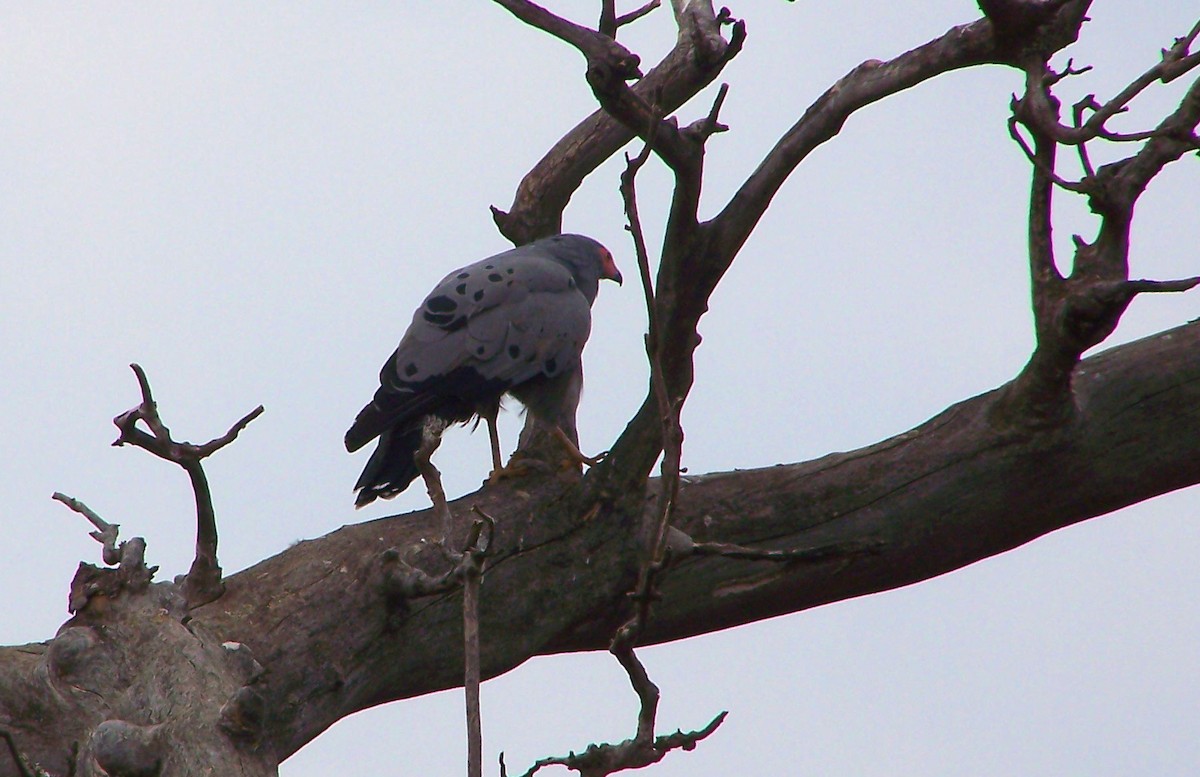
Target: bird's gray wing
466, 319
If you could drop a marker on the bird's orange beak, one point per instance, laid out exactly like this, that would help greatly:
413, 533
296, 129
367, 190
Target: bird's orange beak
608, 268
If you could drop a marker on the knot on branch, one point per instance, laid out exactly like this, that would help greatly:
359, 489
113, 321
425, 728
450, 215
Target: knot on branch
1033, 27
244, 716
72, 653
93, 587
400, 581
129, 557
1073, 315
244, 665
124, 749
608, 77
1090, 313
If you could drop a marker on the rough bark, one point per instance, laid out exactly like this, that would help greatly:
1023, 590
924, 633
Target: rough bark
157, 679
318, 618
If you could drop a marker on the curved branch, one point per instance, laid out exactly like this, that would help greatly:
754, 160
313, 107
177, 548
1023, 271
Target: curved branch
963, 46
697, 58
937, 498
203, 581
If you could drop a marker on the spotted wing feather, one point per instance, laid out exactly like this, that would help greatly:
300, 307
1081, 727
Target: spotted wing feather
483, 329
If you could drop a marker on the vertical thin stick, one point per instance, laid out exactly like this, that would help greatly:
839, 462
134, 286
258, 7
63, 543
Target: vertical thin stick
471, 663
472, 572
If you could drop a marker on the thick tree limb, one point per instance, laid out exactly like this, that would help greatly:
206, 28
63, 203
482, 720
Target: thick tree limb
950, 492
936, 498
322, 617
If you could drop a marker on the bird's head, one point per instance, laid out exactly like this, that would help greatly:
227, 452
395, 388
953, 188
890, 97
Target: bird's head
608, 267
588, 261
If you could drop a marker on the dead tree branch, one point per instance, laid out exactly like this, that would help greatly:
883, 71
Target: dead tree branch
1177, 60
610, 23
936, 498
858, 522
699, 55
472, 574
129, 557
431, 438
963, 46
1079, 311
601, 760
105, 533
203, 581
644, 749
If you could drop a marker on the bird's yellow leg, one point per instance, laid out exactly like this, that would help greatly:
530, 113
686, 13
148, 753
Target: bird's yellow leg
494, 438
576, 456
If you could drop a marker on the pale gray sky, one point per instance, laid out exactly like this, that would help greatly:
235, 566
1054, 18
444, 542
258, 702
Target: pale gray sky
250, 200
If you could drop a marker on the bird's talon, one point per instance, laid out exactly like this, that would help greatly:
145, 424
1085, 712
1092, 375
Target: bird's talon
592, 461
514, 469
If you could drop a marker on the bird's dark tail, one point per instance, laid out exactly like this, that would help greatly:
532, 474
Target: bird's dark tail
391, 467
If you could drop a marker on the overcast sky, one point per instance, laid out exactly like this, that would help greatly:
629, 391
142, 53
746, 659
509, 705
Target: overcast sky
249, 199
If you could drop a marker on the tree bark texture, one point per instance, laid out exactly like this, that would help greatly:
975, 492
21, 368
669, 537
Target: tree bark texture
160, 679
330, 636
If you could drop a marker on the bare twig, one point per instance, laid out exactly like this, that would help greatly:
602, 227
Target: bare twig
636, 14
203, 581
1039, 161
106, 533
610, 22
1077, 116
672, 432
600, 760
1158, 287
472, 572
644, 749
703, 129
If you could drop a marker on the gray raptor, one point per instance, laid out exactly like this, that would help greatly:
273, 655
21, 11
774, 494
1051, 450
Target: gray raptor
514, 323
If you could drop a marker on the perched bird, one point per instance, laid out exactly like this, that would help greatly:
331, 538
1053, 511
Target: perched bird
514, 323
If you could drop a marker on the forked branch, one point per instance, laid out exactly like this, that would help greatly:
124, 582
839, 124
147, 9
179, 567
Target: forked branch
610, 22
1079, 311
699, 55
203, 581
